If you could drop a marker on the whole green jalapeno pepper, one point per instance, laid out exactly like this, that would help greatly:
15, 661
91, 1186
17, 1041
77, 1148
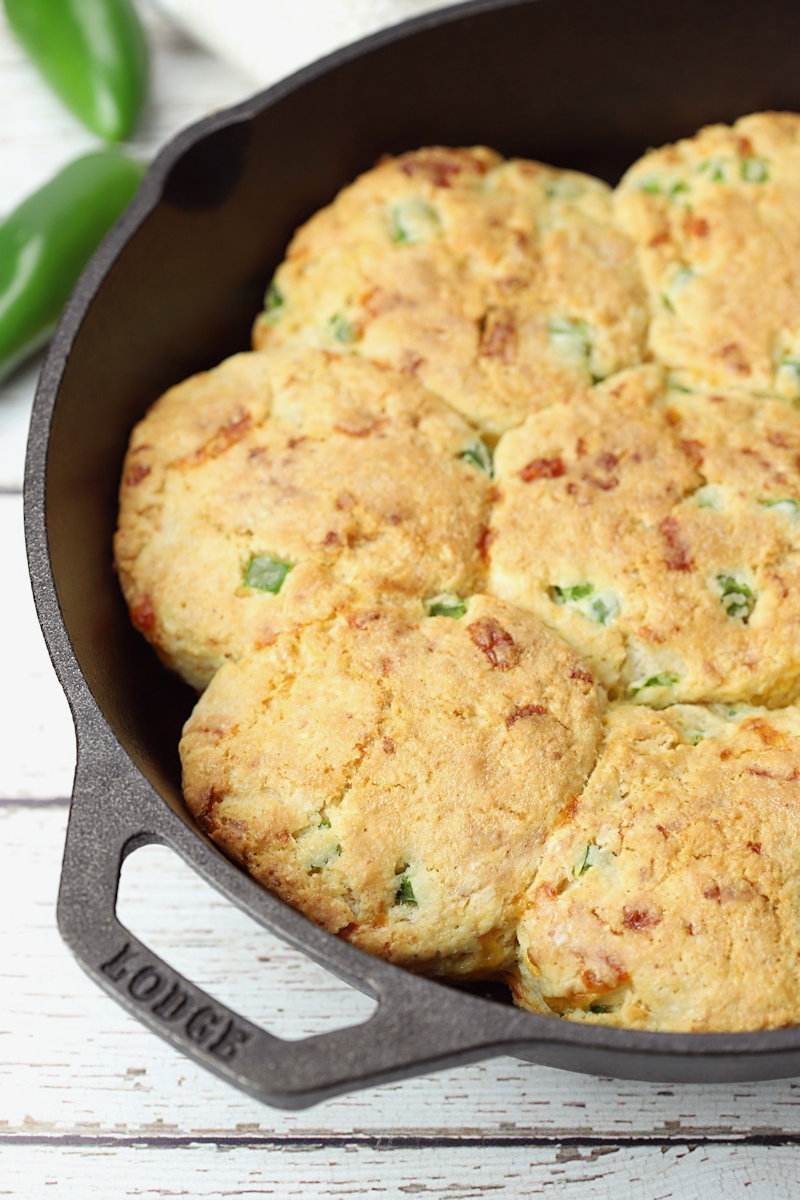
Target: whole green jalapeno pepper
46, 242
92, 52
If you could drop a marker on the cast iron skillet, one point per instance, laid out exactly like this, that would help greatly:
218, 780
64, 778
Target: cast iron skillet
579, 83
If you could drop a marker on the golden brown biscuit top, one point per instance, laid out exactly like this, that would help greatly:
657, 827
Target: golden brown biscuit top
499, 284
275, 488
668, 896
714, 218
658, 532
433, 773
396, 778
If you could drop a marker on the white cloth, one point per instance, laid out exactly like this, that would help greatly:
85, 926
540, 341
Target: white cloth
268, 39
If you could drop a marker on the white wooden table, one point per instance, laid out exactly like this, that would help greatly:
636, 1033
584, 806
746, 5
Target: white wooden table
93, 1105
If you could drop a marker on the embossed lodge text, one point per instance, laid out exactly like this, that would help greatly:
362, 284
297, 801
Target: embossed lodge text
154, 988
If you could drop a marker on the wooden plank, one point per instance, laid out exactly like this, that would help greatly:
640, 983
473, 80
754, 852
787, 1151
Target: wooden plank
85, 1087
243, 32
316, 1172
72, 1062
38, 742
16, 398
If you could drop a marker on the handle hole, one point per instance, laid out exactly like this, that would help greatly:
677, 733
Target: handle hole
204, 936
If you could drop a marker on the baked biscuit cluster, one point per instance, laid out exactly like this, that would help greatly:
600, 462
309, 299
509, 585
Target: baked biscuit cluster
488, 561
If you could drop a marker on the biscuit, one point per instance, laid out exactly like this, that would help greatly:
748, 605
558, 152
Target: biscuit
498, 284
658, 531
668, 896
277, 487
410, 545
395, 778
714, 218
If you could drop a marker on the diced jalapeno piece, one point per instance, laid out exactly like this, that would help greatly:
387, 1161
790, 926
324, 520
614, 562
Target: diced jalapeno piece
787, 378
563, 188
562, 595
754, 170
266, 574
600, 1008
414, 220
654, 186
405, 892
787, 506
708, 496
342, 330
598, 606
665, 679
446, 605
674, 385
273, 301
681, 277
479, 455
714, 168
572, 339
325, 823
678, 281
590, 857
736, 597
603, 607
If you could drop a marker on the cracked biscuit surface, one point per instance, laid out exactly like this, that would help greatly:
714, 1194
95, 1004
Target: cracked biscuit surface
714, 218
668, 896
395, 779
658, 531
275, 488
497, 283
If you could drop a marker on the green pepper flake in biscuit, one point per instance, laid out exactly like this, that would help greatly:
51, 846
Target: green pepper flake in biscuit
272, 490
273, 301
720, 257
498, 284
413, 221
616, 518
479, 455
376, 774
446, 605
266, 573
736, 596
342, 329
667, 897
405, 892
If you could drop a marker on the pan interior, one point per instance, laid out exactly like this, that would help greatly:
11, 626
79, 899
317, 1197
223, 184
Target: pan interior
570, 82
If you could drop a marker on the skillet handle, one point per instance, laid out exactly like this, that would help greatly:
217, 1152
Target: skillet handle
115, 812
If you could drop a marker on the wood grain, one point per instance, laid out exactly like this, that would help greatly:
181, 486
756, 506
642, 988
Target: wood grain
73, 1063
93, 1105
319, 1172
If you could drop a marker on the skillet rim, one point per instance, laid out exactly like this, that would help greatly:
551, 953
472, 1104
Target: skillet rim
526, 1031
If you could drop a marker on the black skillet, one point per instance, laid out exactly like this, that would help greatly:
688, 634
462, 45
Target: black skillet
581, 83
